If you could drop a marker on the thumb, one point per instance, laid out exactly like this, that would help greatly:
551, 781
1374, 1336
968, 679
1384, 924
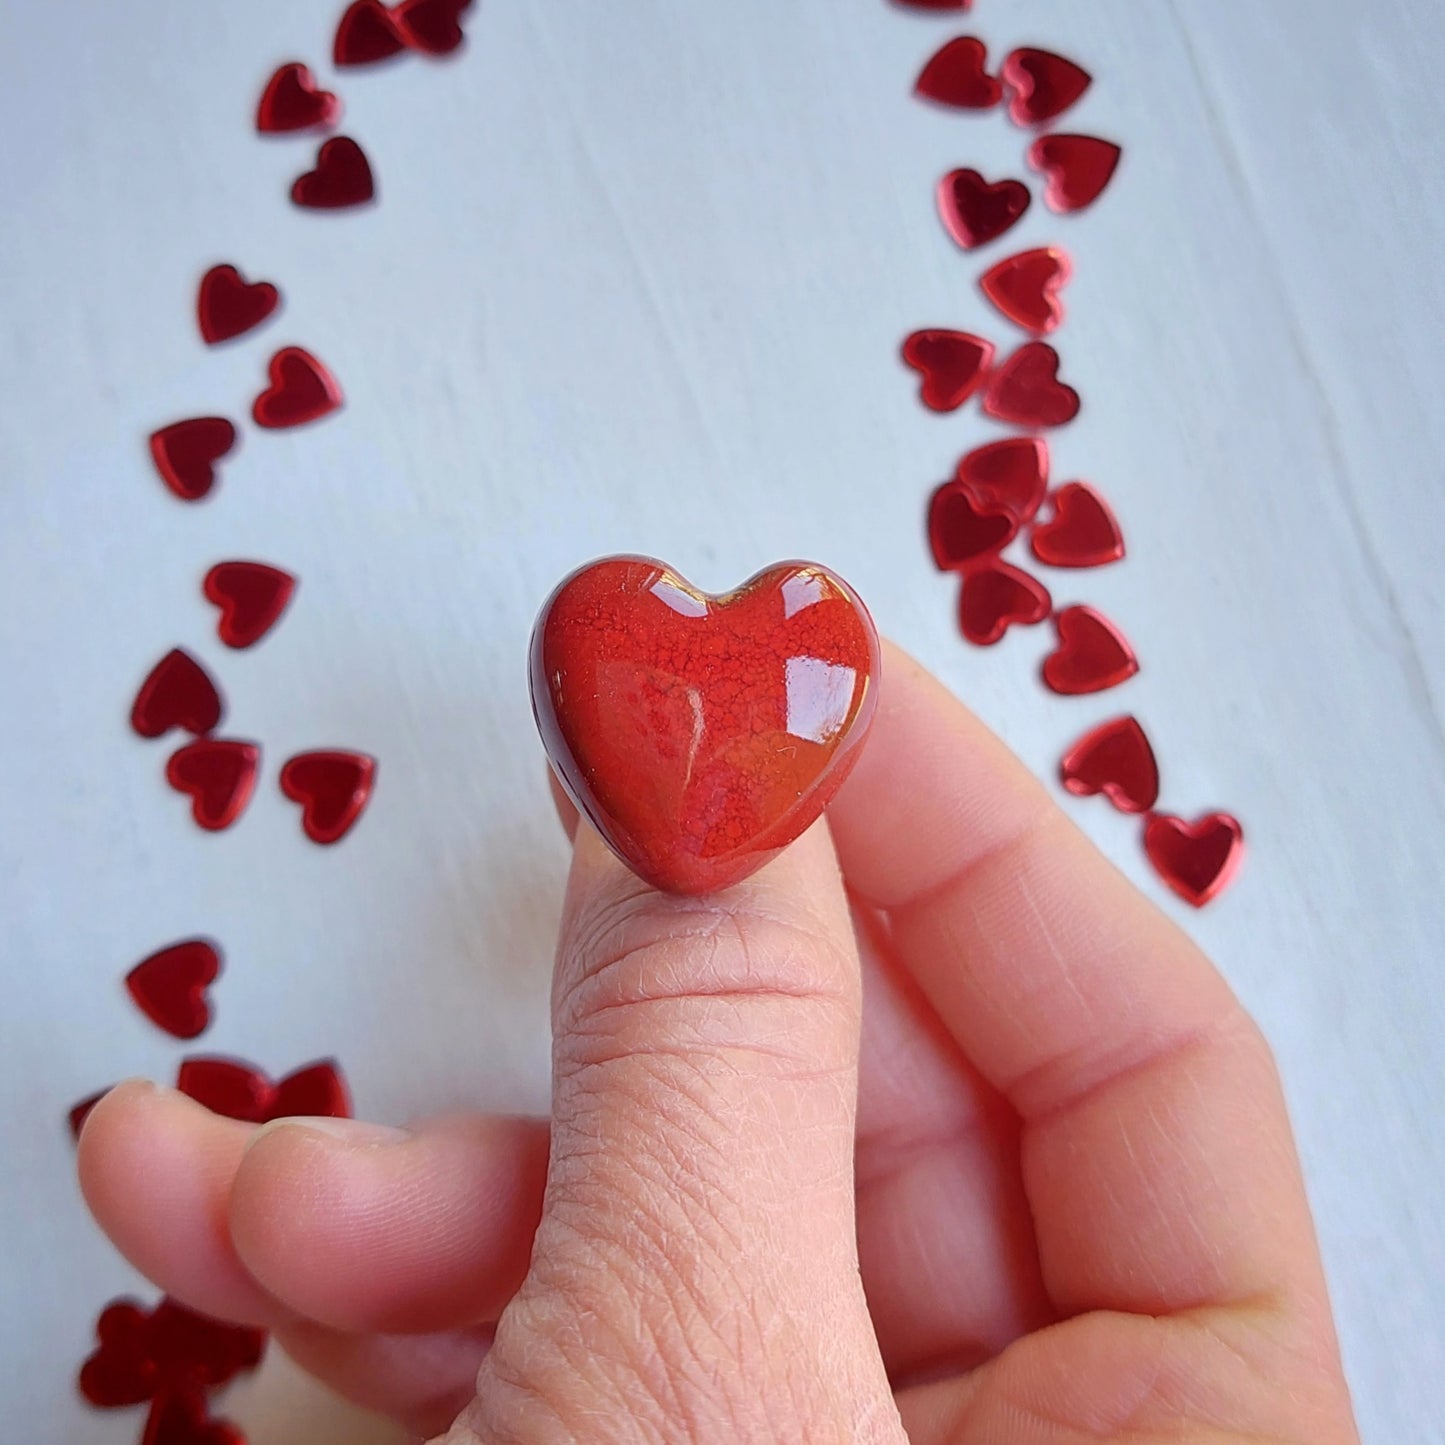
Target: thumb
695, 1272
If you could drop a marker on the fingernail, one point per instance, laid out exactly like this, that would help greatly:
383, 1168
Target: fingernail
350, 1133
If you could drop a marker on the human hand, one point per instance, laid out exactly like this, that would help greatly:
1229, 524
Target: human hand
1055, 1200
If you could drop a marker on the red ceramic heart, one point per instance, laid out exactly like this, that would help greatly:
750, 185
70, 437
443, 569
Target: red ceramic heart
1026, 288
997, 596
228, 306
121, 1371
218, 775
975, 212
952, 364
186, 452
182, 1417
177, 693
1197, 860
1083, 531
1011, 474
1078, 167
1092, 655
366, 34
80, 1112
702, 733
292, 101
431, 26
332, 787
962, 530
342, 178
238, 1090
1115, 759
170, 986
251, 596
1025, 390
1044, 85
957, 76
302, 390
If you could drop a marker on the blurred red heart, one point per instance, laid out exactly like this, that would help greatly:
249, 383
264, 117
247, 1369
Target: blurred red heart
302, 390
121, 1371
432, 26
170, 986
365, 34
952, 364
1197, 860
332, 787
291, 101
1044, 85
974, 212
962, 530
228, 306
997, 596
1092, 655
251, 596
1078, 167
177, 693
342, 178
317, 1091
1013, 473
957, 76
186, 452
182, 1417
219, 776
80, 1112
1083, 532
236, 1089
1026, 288
1025, 390
1115, 759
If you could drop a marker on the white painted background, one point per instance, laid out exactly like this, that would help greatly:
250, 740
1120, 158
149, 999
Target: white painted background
636, 282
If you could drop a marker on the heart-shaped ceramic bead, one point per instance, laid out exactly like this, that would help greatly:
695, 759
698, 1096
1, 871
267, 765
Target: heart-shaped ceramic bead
702, 734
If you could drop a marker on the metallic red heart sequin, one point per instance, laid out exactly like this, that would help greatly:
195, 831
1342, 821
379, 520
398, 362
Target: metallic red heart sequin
1083, 531
975, 212
702, 734
1078, 167
332, 787
302, 390
1115, 759
1026, 288
239, 1090
251, 596
1025, 390
170, 986
122, 1371
228, 306
186, 452
342, 178
997, 596
218, 775
1011, 474
1197, 860
957, 76
1092, 655
317, 1091
292, 101
962, 530
1044, 85
177, 693
183, 1417
952, 364
432, 26
366, 34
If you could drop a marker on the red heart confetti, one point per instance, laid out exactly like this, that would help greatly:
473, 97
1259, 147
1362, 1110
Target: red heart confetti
186, 452
432, 26
122, 1371
974, 212
702, 734
332, 787
366, 34
170, 986
963, 530
1078, 167
958, 76
251, 596
1197, 860
81, 1112
236, 1089
1044, 85
342, 178
952, 364
317, 1091
302, 390
997, 596
228, 306
177, 693
292, 101
1026, 288
1092, 655
1013, 473
1117, 760
1025, 390
182, 1417
1083, 531
219, 776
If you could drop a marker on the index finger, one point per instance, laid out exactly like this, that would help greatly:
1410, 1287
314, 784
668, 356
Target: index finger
1156, 1152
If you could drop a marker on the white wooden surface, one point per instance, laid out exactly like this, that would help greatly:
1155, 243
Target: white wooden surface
636, 281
